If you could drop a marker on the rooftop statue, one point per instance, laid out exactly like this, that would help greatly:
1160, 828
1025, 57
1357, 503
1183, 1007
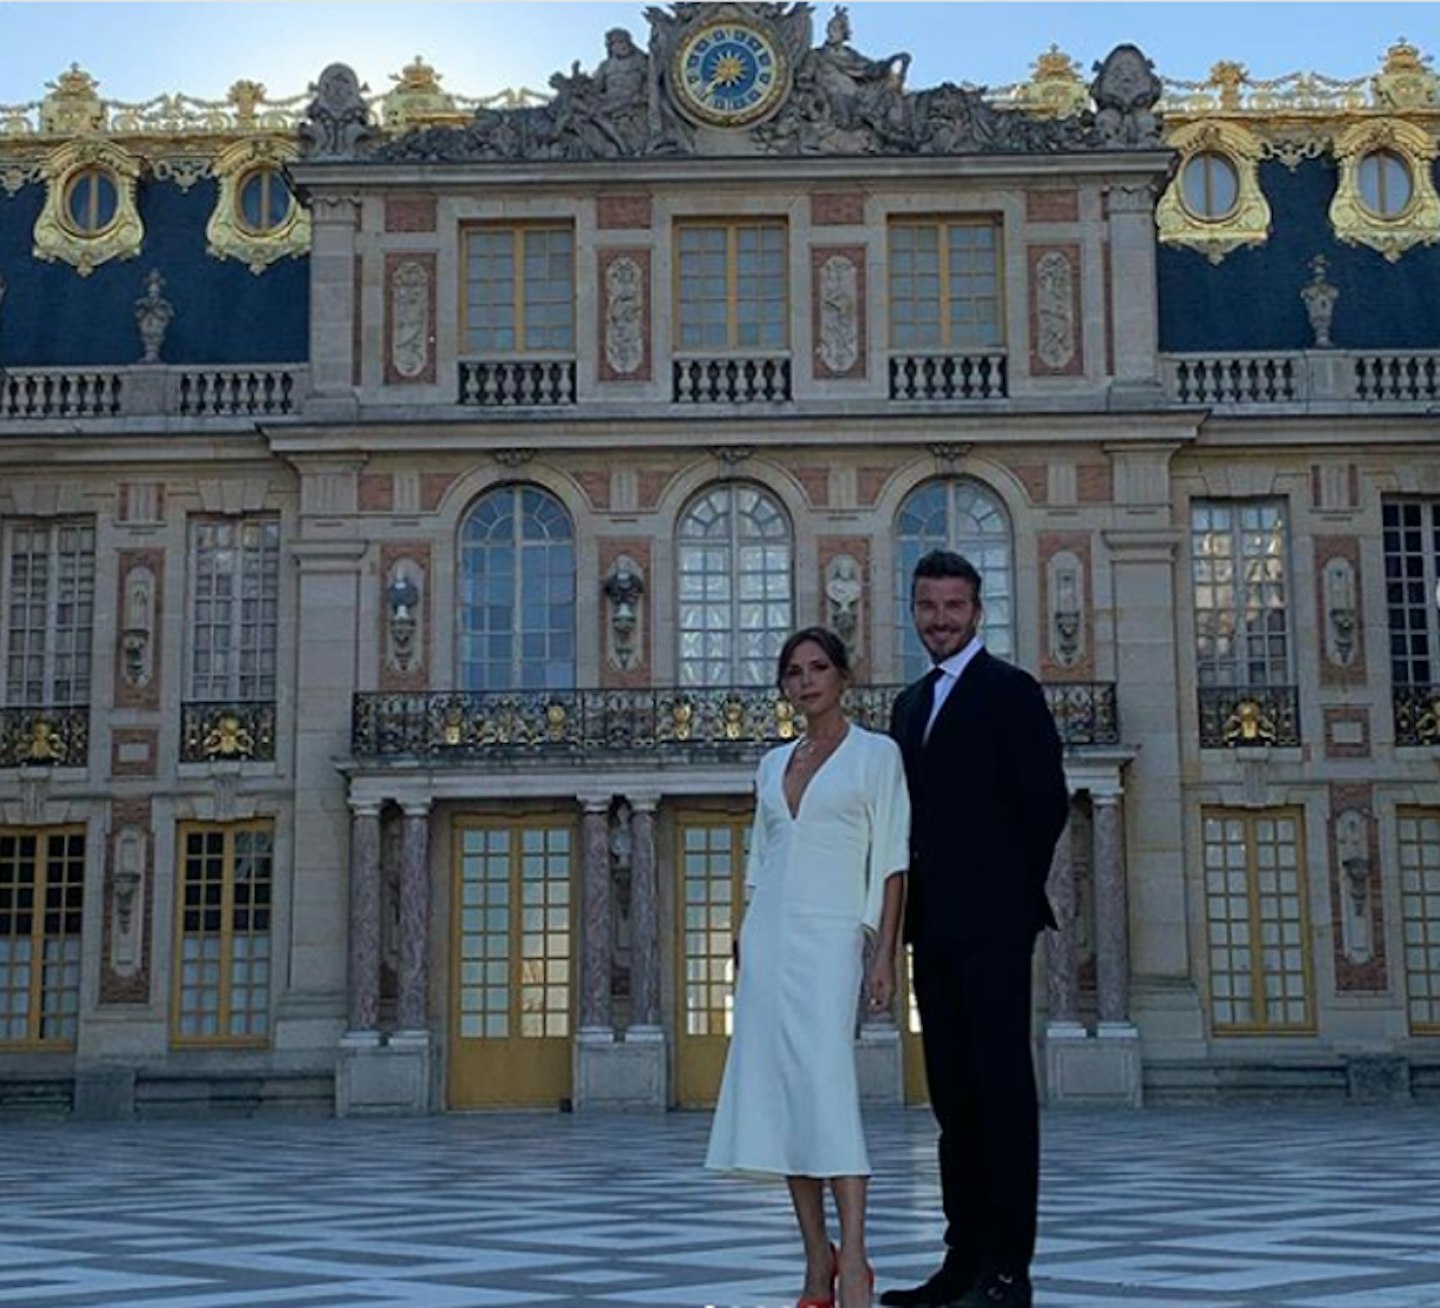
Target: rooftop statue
746, 79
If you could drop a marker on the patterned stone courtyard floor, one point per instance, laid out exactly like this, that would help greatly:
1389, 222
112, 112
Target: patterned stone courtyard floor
1300, 1207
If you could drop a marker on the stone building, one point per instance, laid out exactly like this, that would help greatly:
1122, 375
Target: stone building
402, 500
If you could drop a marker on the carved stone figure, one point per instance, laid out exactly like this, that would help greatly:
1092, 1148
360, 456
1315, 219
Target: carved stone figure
153, 315
1125, 92
624, 316
840, 102
843, 588
857, 90
410, 319
1319, 298
337, 121
839, 314
624, 588
1055, 310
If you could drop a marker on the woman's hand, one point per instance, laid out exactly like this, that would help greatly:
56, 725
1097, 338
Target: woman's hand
880, 984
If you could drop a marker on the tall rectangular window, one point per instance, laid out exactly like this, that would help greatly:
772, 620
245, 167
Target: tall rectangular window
234, 609
520, 290
1256, 922
1238, 552
49, 609
944, 284
732, 286
222, 955
42, 884
1419, 840
1412, 590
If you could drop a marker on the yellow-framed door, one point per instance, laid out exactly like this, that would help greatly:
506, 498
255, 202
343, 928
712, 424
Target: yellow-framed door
710, 876
512, 991
912, 1046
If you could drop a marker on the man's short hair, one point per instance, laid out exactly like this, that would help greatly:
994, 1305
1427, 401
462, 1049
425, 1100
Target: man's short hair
946, 563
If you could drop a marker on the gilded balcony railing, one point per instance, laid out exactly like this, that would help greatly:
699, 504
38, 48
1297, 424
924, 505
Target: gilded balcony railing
729, 723
1238, 717
45, 737
1417, 715
229, 733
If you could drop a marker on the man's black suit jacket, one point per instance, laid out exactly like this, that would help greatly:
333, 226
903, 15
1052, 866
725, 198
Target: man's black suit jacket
988, 800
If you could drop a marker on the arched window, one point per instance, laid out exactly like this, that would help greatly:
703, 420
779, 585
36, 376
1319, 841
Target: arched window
961, 515
516, 621
735, 599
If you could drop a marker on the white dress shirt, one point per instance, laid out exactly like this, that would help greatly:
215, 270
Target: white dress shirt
951, 669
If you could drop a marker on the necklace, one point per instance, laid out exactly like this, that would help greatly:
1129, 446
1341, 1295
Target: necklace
814, 745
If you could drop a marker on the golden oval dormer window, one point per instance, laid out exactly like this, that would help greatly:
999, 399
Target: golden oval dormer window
1383, 181
263, 203
91, 201
1210, 185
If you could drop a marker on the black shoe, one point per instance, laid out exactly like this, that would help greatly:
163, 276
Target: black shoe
946, 1285
998, 1290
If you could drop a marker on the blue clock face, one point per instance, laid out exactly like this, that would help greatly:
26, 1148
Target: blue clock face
730, 74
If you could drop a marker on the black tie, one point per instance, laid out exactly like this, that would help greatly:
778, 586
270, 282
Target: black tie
926, 704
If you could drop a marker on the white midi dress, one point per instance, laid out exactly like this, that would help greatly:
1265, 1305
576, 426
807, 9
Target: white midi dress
789, 1100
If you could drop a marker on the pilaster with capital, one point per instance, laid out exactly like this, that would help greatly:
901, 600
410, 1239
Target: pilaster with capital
595, 929
364, 981
414, 918
644, 915
334, 223
1134, 302
1112, 915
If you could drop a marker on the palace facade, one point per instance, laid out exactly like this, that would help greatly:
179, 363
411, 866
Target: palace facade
403, 499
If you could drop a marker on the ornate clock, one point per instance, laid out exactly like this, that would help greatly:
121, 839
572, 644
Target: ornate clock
729, 74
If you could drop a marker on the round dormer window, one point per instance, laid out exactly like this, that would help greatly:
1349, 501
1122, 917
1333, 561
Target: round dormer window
1384, 182
1210, 185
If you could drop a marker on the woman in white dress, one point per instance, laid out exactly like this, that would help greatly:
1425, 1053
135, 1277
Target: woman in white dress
827, 854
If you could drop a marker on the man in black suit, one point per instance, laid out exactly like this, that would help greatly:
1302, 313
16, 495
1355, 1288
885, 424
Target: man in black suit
989, 801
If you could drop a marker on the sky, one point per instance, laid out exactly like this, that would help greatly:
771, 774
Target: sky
140, 50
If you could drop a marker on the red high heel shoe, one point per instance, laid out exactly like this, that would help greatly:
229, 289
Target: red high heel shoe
804, 1302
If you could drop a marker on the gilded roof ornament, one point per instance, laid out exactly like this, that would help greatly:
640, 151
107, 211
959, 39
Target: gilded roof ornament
73, 106
418, 99
1055, 88
1229, 77
247, 97
1405, 82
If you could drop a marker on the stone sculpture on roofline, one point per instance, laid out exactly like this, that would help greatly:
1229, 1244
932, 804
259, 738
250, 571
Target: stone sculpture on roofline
745, 79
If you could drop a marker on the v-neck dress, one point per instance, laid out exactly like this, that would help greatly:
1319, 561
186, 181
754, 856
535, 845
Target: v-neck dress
789, 1100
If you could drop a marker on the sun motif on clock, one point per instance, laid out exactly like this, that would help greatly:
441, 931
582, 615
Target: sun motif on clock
729, 74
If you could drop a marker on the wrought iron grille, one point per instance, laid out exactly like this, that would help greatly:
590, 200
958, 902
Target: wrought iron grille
733, 723
211, 732
1417, 715
45, 737
1234, 717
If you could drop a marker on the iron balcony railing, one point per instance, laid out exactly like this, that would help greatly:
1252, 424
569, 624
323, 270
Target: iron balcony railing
231, 733
47, 737
729, 723
1239, 717
1417, 715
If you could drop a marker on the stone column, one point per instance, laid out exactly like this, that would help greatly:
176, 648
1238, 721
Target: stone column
595, 928
1112, 916
364, 985
1134, 304
1062, 948
644, 917
415, 919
